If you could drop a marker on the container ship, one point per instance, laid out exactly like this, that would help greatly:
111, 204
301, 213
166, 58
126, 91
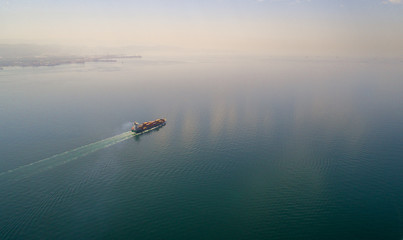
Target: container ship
148, 126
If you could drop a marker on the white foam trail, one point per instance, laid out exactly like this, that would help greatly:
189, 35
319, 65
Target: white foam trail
62, 158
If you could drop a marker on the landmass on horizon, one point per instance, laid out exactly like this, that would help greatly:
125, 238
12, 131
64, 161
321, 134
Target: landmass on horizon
39, 61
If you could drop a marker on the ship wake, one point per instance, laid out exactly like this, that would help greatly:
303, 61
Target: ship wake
61, 158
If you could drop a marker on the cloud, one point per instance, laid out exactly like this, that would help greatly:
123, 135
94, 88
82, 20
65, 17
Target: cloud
393, 1
287, 1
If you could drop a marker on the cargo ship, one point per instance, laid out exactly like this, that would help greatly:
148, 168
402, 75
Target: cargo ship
148, 126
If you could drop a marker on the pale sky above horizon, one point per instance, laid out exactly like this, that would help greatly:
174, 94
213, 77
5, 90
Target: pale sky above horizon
276, 27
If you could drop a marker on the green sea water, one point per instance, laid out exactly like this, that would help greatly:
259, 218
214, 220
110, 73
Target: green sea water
254, 148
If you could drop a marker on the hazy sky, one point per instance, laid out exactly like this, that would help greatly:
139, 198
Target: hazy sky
285, 27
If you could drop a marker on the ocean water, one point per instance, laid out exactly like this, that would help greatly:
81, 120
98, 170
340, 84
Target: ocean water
254, 148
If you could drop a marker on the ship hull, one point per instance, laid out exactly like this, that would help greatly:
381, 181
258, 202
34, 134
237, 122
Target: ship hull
144, 130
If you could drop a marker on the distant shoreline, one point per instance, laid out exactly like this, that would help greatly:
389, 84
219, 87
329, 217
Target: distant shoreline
49, 61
